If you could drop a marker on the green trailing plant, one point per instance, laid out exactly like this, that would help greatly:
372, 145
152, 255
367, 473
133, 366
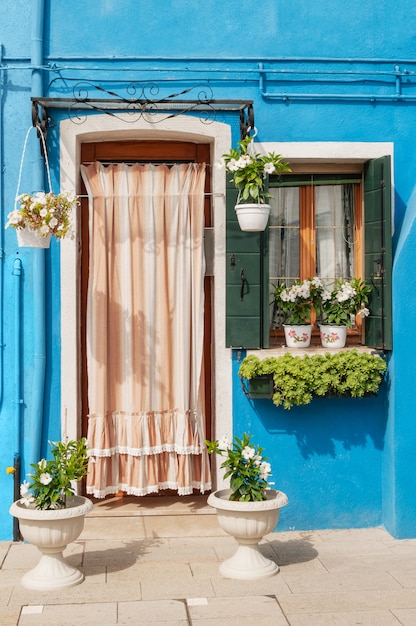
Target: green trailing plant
297, 380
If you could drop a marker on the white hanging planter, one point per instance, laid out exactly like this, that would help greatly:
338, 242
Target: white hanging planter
51, 530
252, 217
333, 336
298, 335
248, 523
28, 238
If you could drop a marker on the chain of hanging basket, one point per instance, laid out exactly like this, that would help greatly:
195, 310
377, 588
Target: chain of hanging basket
38, 128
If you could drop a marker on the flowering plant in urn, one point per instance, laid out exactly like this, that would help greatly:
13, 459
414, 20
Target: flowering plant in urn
250, 170
297, 301
347, 299
50, 482
45, 213
246, 467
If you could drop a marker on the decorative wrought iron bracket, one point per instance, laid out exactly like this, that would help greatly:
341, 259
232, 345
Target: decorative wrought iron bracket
137, 100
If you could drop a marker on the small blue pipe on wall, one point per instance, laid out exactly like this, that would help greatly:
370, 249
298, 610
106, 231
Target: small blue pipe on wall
39, 307
17, 272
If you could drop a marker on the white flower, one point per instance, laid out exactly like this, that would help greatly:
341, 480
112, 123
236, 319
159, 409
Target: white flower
43, 212
39, 198
45, 478
269, 168
14, 218
364, 312
220, 164
233, 165
42, 464
224, 444
24, 488
326, 295
265, 470
53, 222
44, 229
244, 160
248, 453
257, 459
317, 282
27, 500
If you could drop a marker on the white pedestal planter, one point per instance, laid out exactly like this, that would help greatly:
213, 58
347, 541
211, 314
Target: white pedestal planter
248, 522
252, 217
333, 336
298, 336
51, 531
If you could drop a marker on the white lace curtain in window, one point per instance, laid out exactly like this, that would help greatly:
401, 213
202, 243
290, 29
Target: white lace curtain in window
145, 324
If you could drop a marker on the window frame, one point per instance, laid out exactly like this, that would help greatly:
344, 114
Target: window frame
246, 321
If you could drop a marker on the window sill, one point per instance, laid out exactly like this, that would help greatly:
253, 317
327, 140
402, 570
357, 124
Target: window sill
281, 350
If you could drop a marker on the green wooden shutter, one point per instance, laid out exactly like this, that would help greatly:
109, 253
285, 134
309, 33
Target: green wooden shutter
246, 304
378, 252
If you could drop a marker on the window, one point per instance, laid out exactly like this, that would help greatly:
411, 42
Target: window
335, 225
315, 229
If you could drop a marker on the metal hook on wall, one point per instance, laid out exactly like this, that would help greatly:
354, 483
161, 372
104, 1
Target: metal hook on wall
243, 284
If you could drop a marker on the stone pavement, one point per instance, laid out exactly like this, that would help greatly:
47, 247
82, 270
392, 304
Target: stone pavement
161, 567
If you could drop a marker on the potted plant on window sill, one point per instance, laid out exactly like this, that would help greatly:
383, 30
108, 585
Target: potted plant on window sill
51, 516
250, 171
296, 303
249, 509
40, 217
337, 309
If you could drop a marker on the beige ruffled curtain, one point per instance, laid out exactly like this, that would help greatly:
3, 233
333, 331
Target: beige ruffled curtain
145, 324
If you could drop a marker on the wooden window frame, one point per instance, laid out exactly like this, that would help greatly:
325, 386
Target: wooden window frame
307, 251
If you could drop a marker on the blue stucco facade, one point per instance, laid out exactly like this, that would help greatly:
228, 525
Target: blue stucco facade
315, 72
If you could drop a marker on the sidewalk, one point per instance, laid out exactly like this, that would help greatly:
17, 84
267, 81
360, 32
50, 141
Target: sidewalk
161, 567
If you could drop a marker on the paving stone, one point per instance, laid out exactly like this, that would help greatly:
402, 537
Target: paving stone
172, 612
363, 618
406, 617
347, 601
247, 609
70, 614
305, 583
173, 589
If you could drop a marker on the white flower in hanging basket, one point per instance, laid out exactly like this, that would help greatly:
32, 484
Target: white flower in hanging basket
250, 170
44, 213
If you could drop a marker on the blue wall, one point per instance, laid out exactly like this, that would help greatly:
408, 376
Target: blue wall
342, 463
326, 456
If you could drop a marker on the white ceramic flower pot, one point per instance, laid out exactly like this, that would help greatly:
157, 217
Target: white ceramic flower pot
248, 522
298, 336
333, 336
28, 238
252, 217
51, 531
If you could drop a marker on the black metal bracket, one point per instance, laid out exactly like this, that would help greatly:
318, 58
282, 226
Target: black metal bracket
137, 100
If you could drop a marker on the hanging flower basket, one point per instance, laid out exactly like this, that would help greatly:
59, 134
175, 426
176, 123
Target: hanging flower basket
252, 217
40, 215
250, 172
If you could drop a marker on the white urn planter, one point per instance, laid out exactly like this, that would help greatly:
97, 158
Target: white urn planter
248, 523
333, 336
51, 531
252, 217
298, 335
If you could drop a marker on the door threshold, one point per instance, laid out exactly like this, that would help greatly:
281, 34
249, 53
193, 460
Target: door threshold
134, 506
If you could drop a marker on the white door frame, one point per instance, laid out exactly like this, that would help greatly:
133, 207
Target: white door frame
98, 128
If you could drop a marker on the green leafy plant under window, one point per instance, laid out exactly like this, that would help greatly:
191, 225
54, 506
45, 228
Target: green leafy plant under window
297, 380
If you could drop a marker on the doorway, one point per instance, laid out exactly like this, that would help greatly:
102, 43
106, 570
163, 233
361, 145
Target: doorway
142, 152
